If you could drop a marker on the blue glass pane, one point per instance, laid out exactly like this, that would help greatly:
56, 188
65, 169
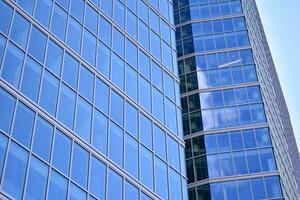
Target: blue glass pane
175, 185
244, 190
223, 142
239, 161
145, 131
131, 25
89, 47
211, 143
146, 166
20, 30
59, 22
97, 178
263, 137
70, 70
131, 192
145, 94
131, 82
213, 166
116, 144
2, 46
54, 57
14, 175
117, 72
267, 160
76, 193
155, 46
144, 35
252, 158
114, 191
66, 106
43, 11
131, 155
42, 138
131, 120
230, 191
49, 93
131, 54
118, 43
273, 187
170, 115
144, 197
83, 119
86, 84
102, 94
236, 140
5, 16
119, 13
156, 76
103, 62
37, 179
116, 107
107, 7
23, 124
3, 146
7, 104
27, 5
91, 19
158, 106
100, 131
37, 44
216, 191
159, 142
226, 164
31, 79
12, 65
61, 152
161, 182
77, 7
258, 189
105, 31
64, 3
173, 153
74, 34
144, 65
57, 186
80, 165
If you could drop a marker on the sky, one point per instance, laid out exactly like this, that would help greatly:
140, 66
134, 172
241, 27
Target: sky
281, 21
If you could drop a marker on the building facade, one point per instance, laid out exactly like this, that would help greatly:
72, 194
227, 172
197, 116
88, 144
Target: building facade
239, 139
89, 101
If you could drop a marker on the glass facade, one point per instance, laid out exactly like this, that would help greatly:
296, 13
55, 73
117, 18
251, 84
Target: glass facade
229, 145
89, 101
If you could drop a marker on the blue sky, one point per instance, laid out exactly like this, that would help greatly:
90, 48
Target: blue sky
281, 20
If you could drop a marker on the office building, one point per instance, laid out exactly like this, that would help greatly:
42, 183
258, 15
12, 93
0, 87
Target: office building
239, 139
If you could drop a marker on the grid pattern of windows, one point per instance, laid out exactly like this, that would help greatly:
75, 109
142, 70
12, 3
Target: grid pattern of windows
105, 73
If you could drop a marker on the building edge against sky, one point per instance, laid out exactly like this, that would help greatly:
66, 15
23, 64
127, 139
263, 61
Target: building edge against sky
218, 34
89, 101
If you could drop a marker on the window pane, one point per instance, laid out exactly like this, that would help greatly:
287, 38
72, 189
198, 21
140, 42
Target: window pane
66, 106
173, 153
37, 44
267, 160
131, 25
273, 187
258, 189
54, 58
19, 30
76, 193
12, 65
97, 178
244, 190
91, 19
171, 120
70, 71
119, 13
31, 79
117, 72
116, 144
146, 166
158, 106
42, 138
105, 31
114, 191
131, 155
86, 84
3, 146
239, 161
43, 11
144, 35
145, 131
131, 192
7, 104
14, 176
83, 119
226, 164
161, 178
80, 165
102, 94
74, 34
23, 124
157, 76
37, 179
77, 7
131, 54
131, 82
118, 43
144, 65
100, 131
262, 137
57, 186
131, 120
103, 63
252, 159
145, 94
116, 108
230, 191
160, 142
89, 47
61, 152
5, 16
49, 93
175, 185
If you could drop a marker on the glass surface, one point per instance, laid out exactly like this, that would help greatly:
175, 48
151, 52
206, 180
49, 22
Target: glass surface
105, 36
175, 185
144, 65
54, 57
23, 124
213, 166
273, 187
116, 107
145, 131
252, 159
86, 83
70, 70
12, 65
103, 63
77, 8
239, 162
230, 191
144, 35
80, 164
37, 44
244, 189
267, 160
37, 180
131, 82
131, 192
116, 144
3, 146
97, 178
102, 95
14, 175
5, 15
100, 125
43, 11
31, 79
131, 25
114, 191
131, 120
262, 137
117, 72
171, 120
158, 106
131, 155
119, 13
49, 92
7, 104
2, 46
118, 43
42, 138
76, 193
156, 76
258, 189
131, 54
91, 19
173, 153
74, 34
146, 167
89, 47
145, 93
66, 106
20, 30
57, 186
161, 182
61, 152
83, 119
159, 142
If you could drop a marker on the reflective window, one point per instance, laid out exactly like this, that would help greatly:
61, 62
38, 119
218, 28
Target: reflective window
105, 31
76, 193
114, 191
158, 106
77, 7
91, 19
99, 139
161, 178
43, 11
74, 34
64, 3
86, 84
103, 63
145, 93
159, 142
3, 146
144, 35
12, 65
49, 92
37, 179
273, 187
7, 104
31, 79
14, 175
97, 184
144, 65
131, 192
145, 131
107, 7
131, 25
102, 94
66, 106
117, 72
42, 138
239, 162
262, 137
171, 120
267, 160
54, 57
20, 30
118, 43
175, 185
23, 124
116, 144
89, 47
59, 22
70, 71
173, 153
258, 189
252, 159
5, 15
131, 53
230, 190
146, 167
83, 119
131, 82
155, 45
131, 120
156, 75
116, 107
80, 163
244, 189
131, 155
61, 152
2, 46
57, 186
